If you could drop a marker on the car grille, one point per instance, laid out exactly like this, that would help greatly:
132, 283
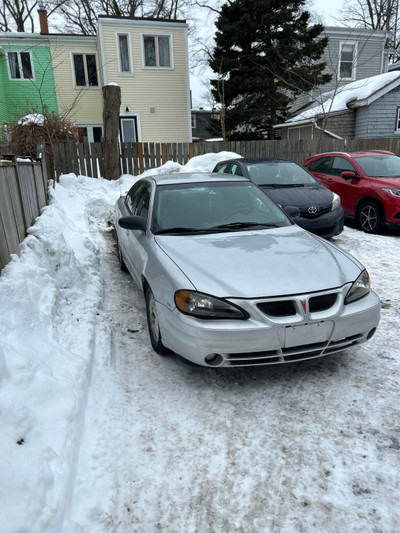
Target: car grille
278, 308
322, 302
295, 353
288, 308
306, 214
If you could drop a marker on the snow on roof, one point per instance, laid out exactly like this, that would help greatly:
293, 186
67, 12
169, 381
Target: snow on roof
356, 94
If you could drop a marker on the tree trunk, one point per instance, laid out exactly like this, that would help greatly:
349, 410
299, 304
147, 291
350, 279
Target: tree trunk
112, 104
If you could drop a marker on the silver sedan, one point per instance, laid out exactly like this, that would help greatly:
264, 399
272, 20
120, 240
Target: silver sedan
230, 280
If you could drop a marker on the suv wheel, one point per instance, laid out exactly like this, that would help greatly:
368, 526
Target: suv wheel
369, 217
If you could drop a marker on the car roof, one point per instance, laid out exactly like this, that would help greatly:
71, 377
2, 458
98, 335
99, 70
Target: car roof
194, 177
360, 153
255, 160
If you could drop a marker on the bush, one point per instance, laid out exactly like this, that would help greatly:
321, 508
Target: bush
25, 135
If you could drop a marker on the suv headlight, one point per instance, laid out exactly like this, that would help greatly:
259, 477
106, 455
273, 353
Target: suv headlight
205, 306
359, 289
335, 201
393, 192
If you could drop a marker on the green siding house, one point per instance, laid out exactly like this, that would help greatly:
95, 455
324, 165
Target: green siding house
26, 77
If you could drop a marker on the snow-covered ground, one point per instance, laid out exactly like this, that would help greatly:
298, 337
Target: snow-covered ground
100, 434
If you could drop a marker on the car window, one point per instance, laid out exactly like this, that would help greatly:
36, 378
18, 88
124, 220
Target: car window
138, 198
203, 206
131, 196
279, 173
235, 169
380, 165
340, 164
143, 201
322, 164
223, 168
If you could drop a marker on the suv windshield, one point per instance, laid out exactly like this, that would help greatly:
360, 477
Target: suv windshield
279, 173
380, 166
208, 206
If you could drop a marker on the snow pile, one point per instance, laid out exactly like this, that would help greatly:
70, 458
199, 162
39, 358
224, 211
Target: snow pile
33, 118
50, 295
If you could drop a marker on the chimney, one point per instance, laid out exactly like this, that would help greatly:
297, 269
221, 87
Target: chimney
44, 27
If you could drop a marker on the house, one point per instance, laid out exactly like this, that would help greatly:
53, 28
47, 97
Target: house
351, 54
202, 127
368, 108
147, 58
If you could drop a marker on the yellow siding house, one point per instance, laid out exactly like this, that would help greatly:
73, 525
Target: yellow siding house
147, 58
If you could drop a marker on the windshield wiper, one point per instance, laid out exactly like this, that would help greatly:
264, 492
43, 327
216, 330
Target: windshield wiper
180, 230
235, 226
281, 185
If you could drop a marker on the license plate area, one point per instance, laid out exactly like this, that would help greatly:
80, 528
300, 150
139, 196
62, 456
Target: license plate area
305, 334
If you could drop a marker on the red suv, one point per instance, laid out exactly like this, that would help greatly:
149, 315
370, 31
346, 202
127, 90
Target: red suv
368, 184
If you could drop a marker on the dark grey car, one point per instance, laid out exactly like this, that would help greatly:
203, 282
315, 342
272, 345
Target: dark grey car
288, 184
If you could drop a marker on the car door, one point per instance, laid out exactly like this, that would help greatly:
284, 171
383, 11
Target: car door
347, 189
138, 203
328, 169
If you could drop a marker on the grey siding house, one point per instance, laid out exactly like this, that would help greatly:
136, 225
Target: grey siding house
364, 109
352, 54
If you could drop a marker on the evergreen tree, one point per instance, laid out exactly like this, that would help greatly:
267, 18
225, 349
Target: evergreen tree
265, 54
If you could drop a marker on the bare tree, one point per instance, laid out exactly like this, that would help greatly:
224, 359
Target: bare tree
375, 15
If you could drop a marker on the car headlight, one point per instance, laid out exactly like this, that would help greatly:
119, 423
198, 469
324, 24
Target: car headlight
335, 201
205, 306
360, 288
393, 192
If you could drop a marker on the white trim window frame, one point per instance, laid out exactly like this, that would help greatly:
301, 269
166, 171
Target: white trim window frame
84, 76
157, 51
397, 128
20, 65
347, 60
124, 53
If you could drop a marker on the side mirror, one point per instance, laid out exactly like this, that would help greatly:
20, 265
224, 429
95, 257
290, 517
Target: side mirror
349, 175
133, 223
291, 211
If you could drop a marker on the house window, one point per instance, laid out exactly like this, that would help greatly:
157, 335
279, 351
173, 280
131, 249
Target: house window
20, 65
347, 66
194, 121
124, 53
398, 120
157, 53
85, 70
128, 127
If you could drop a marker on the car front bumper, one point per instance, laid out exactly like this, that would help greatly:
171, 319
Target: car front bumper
327, 225
259, 341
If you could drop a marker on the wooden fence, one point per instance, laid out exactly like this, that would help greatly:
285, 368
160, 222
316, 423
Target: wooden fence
23, 193
135, 158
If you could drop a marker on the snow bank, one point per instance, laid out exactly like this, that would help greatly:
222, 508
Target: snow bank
50, 294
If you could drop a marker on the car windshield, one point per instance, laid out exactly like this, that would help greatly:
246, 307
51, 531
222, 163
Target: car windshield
279, 173
380, 166
214, 207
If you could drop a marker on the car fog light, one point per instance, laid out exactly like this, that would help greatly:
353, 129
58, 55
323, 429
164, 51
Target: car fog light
214, 359
371, 333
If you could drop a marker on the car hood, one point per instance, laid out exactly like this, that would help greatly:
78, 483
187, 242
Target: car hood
301, 197
394, 183
264, 263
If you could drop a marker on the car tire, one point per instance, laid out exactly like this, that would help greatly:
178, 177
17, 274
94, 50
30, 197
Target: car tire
152, 324
121, 261
369, 217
